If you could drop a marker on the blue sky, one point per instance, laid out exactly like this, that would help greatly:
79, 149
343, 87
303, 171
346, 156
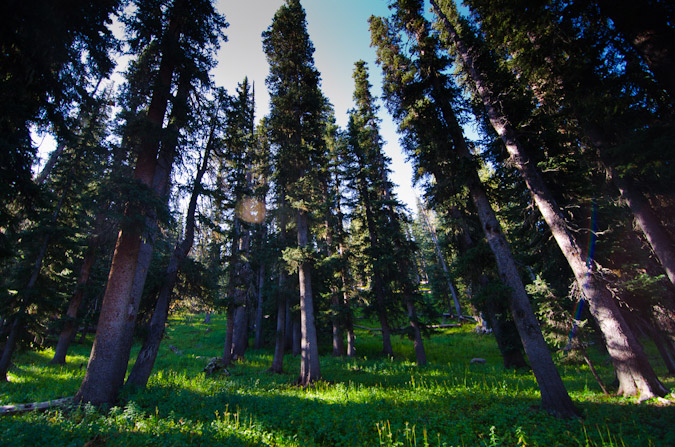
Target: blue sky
339, 31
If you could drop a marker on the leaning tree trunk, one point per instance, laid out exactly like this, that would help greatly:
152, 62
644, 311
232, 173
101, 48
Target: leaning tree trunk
309, 357
110, 353
441, 260
554, 396
145, 361
632, 366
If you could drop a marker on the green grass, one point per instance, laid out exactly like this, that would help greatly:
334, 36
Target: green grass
370, 400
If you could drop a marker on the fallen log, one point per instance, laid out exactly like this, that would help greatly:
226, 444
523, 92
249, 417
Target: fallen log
435, 326
35, 406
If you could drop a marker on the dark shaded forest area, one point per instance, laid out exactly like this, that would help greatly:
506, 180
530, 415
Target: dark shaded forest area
551, 232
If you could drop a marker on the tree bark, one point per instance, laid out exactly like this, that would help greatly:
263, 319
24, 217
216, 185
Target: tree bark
145, 361
554, 396
309, 357
283, 316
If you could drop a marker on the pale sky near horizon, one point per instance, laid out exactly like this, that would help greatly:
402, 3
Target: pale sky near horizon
339, 32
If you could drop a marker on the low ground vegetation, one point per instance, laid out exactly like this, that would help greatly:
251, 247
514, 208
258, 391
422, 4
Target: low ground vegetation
368, 400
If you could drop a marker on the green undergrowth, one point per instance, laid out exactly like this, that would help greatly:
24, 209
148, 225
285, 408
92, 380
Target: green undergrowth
369, 400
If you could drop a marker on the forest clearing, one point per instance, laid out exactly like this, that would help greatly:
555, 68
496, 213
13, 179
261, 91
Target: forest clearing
367, 400
185, 264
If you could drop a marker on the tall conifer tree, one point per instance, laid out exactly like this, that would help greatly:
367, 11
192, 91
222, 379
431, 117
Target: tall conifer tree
297, 121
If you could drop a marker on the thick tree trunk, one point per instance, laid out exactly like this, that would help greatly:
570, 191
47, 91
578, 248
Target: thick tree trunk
240, 335
506, 335
554, 396
633, 369
145, 361
309, 357
645, 26
110, 352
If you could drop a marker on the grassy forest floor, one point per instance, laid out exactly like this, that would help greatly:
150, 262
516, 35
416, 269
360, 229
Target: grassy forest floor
369, 400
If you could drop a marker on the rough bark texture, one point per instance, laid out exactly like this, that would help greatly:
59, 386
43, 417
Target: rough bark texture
309, 357
554, 397
145, 361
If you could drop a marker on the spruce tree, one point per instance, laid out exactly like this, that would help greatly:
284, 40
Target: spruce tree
297, 121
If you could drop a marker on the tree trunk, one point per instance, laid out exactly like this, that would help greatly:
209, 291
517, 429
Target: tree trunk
418, 343
10, 344
554, 396
441, 260
240, 335
633, 369
258, 343
110, 352
309, 357
70, 325
280, 339
229, 335
338, 336
296, 336
145, 361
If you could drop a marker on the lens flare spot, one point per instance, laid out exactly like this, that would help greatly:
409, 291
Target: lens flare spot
251, 210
